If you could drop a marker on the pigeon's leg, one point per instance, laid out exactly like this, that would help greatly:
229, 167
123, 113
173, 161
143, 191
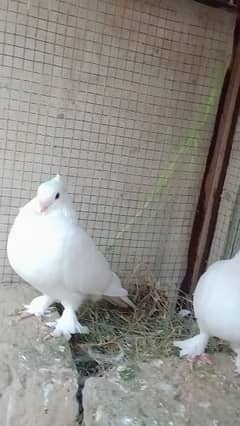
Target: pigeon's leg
237, 363
37, 307
237, 359
68, 324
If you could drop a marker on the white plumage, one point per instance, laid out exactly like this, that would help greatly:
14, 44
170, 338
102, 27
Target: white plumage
48, 249
216, 305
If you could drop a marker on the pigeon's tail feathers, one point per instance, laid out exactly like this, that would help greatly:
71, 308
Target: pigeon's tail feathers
115, 288
128, 302
121, 302
192, 347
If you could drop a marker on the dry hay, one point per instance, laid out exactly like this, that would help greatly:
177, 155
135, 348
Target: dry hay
119, 332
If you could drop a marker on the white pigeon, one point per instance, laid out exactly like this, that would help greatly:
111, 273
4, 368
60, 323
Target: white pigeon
49, 250
216, 305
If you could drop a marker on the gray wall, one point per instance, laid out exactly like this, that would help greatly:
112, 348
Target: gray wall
119, 97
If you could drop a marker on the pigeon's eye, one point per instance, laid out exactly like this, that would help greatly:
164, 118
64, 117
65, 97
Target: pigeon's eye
57, 196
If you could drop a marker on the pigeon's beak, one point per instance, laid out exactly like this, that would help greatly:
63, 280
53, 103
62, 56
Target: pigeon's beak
43, 205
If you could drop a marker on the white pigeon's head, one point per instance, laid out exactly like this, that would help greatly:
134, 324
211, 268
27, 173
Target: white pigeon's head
50, 194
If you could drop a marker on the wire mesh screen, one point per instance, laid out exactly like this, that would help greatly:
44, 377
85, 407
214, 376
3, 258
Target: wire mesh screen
227, 234
119, 97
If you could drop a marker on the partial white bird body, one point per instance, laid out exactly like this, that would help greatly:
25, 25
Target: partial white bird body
49, 250
216, 305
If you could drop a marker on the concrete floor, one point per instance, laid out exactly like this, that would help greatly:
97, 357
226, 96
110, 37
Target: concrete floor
38, 380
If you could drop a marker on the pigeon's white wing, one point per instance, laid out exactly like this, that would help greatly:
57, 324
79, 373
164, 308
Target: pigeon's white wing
85, 269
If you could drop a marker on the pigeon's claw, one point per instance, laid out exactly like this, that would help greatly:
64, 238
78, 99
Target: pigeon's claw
199, 359
23, 314
38, 307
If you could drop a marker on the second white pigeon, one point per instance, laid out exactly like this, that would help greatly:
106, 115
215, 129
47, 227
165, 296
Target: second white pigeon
49, 250
216, 305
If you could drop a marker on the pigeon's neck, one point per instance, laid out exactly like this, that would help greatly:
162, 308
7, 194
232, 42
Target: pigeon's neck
69, 213
65, 210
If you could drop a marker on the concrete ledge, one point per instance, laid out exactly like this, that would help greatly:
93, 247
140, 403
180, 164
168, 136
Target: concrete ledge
37, 376
164, 393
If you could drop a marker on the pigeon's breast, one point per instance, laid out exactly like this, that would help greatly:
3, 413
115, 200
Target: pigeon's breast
217, 301
35, 250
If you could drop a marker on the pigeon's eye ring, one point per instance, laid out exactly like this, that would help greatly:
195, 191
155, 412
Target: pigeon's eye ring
57, 196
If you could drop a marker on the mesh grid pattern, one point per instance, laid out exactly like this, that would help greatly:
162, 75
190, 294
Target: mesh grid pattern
226, 240
119, 97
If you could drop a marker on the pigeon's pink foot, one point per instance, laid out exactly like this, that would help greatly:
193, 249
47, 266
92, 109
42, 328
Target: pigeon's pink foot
21, 315
38, 307
202, 359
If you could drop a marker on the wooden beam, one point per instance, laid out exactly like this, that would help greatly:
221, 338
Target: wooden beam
215, 171
226, 4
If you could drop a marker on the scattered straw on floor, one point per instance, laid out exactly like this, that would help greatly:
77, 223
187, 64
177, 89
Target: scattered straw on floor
147, 333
